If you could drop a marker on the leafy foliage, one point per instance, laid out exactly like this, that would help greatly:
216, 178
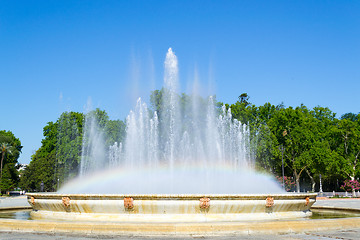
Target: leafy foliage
311, 142
288, 181
350, 185
10, 149
59, 156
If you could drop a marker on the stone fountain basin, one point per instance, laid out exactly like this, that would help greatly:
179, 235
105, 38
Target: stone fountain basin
170, 208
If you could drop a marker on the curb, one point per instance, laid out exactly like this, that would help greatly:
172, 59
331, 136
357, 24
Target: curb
4, 209
330, 208
180, 229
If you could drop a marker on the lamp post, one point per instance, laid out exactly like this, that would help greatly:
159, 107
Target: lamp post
282, 166
320, 190
282, 160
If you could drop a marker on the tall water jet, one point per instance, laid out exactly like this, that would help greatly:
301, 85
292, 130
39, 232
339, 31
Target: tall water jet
183, 145
141, 139
182, 162
94, 155
170, 111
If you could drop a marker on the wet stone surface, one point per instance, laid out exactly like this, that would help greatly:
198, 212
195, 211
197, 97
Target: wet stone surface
18, 215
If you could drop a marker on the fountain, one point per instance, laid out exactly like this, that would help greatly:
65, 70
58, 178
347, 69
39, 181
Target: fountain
175, 165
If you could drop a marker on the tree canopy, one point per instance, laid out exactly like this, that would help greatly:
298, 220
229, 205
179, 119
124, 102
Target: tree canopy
10, 149
311, 142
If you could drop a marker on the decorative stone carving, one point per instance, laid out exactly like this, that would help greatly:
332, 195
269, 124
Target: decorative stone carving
269, 202
204, 203
66, 201
307, 201
32, 200
128, 203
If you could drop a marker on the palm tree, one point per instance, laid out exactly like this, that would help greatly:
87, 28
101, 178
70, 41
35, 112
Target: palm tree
4, 148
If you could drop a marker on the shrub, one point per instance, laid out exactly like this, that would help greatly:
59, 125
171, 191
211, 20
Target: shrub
289, 183
350, 185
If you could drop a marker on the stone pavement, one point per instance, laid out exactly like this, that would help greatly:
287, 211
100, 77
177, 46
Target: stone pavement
328, 235
18, 201
353, 203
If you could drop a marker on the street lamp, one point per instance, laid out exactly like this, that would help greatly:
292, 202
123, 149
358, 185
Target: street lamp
320, 190
282, 166
282, 160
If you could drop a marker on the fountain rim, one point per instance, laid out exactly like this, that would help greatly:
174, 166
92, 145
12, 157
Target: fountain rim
277, 196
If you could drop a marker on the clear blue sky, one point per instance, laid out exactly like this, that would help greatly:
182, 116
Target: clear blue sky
54, 55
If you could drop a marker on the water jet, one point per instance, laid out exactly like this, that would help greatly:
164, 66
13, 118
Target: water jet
179, 163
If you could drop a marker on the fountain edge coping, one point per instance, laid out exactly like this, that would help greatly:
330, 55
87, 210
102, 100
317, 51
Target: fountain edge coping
172, 196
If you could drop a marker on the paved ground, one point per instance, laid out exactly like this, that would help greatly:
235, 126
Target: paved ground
340, 203
345, 234
336, 234
19, 201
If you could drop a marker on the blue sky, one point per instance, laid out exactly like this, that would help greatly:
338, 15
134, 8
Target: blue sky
55, 55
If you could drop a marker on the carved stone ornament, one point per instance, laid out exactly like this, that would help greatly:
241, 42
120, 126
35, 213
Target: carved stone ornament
66, 201
32, 200
307, 201
204, 203
269, 202
128, 203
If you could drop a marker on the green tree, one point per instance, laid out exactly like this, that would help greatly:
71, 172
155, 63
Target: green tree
10, 178
100, 116
292, 129
66, 136
40, 169
10, 149
156, 101
59, 155
257, 119
262, 137
347, 135
115, 131
5, 148
58, 159
244, 98
350, 116
42, 164
321, 152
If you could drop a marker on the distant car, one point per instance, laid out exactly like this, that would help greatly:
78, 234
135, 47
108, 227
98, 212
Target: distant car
14, 193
